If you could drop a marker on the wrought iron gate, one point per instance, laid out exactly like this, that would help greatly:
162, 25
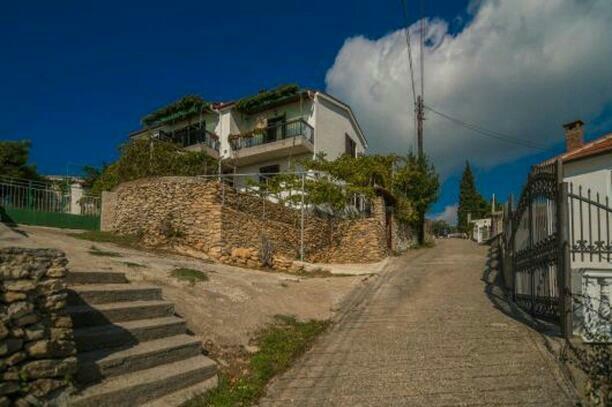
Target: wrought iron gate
539, 245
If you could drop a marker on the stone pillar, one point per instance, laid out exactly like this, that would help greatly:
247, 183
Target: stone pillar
76, 193
107, 211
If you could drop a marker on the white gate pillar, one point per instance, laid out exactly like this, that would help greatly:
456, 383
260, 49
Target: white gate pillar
76, 193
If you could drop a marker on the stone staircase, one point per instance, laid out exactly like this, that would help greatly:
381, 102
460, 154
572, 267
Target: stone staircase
132, 349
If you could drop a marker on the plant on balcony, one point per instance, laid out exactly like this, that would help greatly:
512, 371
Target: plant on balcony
185, 106
266, 98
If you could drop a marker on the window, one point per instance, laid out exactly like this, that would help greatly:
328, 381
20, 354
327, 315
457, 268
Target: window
276, 129
268, 172
350, 147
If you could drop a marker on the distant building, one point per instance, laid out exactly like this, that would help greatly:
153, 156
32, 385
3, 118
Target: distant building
267, 137
481, 230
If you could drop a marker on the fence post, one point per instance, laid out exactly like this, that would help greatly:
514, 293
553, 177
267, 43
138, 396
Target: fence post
532, 279
302, 219
564, 266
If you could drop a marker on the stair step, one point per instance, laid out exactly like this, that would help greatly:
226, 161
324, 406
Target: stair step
107, 293
104, 363
95, 277
178, 398
145, 385
128, 333
103, 314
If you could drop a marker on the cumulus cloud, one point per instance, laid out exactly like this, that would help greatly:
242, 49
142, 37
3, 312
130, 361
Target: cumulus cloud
520, 67
449, 215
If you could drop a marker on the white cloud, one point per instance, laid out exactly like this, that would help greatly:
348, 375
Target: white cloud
449, 215
521, 67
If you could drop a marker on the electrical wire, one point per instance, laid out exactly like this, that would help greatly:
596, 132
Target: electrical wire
409, 49
489, 133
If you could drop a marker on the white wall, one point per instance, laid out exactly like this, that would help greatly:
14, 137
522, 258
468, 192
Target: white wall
331, 124
594, 173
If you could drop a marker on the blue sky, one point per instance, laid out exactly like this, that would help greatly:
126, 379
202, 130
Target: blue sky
77, 77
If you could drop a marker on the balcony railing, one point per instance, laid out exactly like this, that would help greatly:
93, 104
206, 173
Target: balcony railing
191, 136
285, 130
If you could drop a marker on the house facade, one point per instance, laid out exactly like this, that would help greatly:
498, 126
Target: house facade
266, 133
587, 168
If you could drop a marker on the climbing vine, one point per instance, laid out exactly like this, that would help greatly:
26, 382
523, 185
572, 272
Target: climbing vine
265, 98
185, 106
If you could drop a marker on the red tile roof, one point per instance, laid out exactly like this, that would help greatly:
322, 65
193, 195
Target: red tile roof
600, 146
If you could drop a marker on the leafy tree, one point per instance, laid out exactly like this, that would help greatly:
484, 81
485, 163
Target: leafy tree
417, 181
470, 200
14, 157
148, 158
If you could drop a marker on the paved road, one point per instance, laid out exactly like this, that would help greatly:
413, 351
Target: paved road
425, 333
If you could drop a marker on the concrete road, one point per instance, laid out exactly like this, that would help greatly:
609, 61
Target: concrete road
425, 334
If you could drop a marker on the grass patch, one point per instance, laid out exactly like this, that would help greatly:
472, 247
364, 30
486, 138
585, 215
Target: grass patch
190, 275
99, 252
106, 237
133, 265
280, 344
321, 274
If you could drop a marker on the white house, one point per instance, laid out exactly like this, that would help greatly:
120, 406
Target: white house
481, 230
266, 133
587, 168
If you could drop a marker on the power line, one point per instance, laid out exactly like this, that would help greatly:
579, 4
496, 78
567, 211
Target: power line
422, 55
409, 49
489, 133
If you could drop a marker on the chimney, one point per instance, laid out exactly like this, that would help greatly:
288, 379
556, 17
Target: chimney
574, 135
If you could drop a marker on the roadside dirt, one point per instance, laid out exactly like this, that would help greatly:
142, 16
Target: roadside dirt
225, 311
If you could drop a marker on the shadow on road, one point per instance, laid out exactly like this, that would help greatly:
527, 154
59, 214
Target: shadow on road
501, 298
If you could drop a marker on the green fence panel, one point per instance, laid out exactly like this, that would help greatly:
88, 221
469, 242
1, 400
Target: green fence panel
52, 219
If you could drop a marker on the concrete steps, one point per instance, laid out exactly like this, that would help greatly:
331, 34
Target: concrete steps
98, 364
96, 277
141, 386
132, 348
106, 293
122, 333
101, 314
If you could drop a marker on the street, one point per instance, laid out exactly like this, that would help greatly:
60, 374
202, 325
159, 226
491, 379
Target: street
425, 333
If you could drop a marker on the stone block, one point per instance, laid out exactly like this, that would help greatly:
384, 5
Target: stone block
8, 387
9, 346
19, 309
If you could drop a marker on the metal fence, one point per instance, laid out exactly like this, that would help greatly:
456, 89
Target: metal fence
556, 226
535, 240
47, 204
590, 226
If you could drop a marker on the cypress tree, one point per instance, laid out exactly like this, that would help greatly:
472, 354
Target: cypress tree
470, 200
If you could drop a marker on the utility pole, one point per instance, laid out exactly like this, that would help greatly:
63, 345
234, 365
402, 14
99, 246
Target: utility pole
420, 116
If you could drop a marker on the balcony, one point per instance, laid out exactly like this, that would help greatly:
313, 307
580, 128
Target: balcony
275, 141
195, 139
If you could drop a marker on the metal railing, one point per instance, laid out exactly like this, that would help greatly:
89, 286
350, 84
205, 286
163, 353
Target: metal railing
535, 246
285, 130
40, 196
192, 135
590, 226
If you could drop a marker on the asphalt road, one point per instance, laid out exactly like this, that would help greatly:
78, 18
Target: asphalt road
426, 333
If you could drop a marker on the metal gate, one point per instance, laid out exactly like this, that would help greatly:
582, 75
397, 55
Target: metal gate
47, 204
539, 245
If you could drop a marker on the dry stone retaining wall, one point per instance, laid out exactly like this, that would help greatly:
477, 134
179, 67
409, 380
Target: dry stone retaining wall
37, 351
197, 216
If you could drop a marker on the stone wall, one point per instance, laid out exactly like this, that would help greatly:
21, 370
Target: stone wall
197, 216
37, 351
